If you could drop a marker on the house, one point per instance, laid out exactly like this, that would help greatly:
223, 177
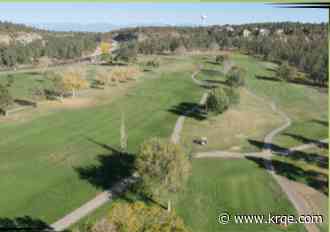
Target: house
279, 32
264, 32
246, 33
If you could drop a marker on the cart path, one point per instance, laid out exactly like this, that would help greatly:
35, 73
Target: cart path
88, 207
175, 137
296, 197
120, 187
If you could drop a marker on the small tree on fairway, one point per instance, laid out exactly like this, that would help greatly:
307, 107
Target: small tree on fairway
73, 80
235, 77
105, 48
58, 85
103, 78
217, 101
5, 97
138, 217
286, 72
163, 168
221, 58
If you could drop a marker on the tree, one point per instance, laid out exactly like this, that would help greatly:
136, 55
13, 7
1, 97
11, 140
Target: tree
123, 134
43, 64
163, 168
138, 217
103, 78
58, 85
153, 63
127, 53
235, 77
285, 72
219, 59
217, 101
105, 48
123, 74
5, 97
73, 81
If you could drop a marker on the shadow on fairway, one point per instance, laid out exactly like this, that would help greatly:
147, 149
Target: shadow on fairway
110, 168
321, 122
212, 73
309, 157
25, 223
316, 180
188, 109
307, 140
296, 81
266, 78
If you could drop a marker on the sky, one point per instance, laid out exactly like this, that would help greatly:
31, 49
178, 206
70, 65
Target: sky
155, 13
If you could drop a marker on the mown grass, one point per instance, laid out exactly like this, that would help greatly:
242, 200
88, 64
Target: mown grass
235, 187
306, 106
39, 159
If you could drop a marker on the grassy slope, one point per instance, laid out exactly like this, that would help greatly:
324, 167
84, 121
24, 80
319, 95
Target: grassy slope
233, 186
37, 165
306, 106
231, 130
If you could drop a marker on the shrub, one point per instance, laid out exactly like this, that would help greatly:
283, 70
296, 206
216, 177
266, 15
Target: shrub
235, 77
153, 63
137, 217
286, 72
124, 74
218, 101
5, 97
221, 58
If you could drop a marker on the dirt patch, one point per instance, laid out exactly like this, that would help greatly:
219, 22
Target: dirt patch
72, 103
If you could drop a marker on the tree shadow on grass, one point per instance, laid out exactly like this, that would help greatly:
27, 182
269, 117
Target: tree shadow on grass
321, 122
296, 81
267, 78
111, 167
188, 109
25, 223
305, 140
316, 180
211, 72
310, 158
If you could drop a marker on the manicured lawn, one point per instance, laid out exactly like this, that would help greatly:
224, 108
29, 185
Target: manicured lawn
52, 164
233, 186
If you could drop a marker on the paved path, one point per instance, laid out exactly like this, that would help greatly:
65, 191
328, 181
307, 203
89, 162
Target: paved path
120, 187
91, 205
175, 137
296, 197
308, 145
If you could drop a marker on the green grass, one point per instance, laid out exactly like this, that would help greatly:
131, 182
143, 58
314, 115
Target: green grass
305, 105
233, 186
38, 158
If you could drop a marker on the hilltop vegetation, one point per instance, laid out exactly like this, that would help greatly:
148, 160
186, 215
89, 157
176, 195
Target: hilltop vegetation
303, 45
25, 45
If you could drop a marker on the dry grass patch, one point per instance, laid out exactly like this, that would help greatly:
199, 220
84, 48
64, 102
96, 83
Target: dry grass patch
250, 119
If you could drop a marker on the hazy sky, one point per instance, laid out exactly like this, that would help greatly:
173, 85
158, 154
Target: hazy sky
153, 13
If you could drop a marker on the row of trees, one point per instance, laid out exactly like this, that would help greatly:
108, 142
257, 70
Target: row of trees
55, 47
304, 46
221, 98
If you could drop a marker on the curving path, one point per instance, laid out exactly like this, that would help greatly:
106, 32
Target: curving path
296, 197
175, 137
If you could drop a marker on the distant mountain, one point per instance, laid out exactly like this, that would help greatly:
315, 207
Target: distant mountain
79, 27
92, 27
